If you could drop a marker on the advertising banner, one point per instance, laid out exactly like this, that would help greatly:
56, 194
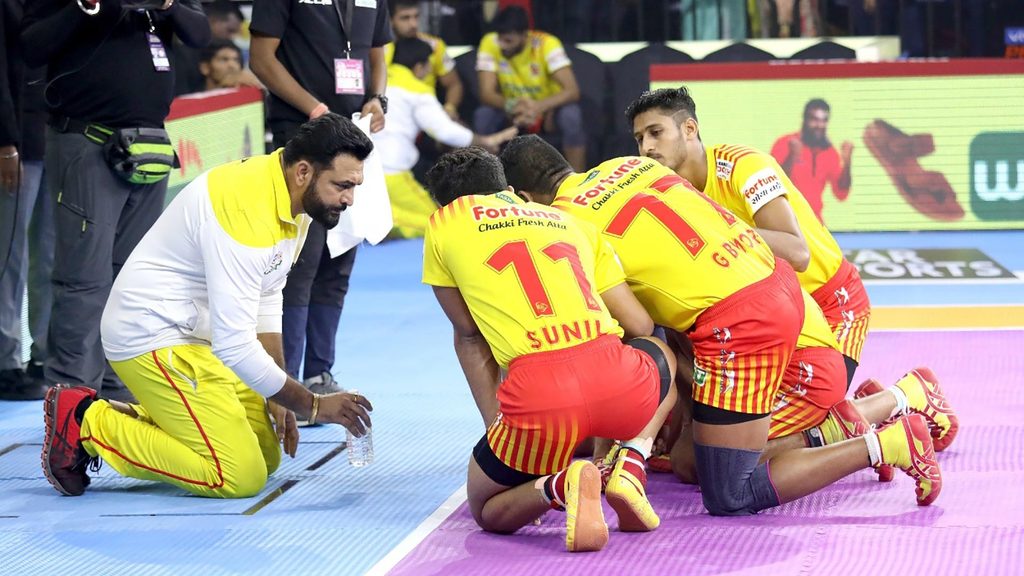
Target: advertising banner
932, 145
212, 128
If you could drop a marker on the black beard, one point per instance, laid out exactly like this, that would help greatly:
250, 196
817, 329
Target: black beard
808, 138
320, 213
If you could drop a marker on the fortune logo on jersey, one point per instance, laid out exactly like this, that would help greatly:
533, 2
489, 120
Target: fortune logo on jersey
605, 183
483, 212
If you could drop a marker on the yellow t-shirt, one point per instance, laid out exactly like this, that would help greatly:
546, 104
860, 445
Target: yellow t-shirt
743, 180
647, 214
529, 72
531, 275
815, 332
440, 62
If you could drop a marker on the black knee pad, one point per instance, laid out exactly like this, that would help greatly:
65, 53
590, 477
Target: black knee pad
496, 469
732, 483
656, 353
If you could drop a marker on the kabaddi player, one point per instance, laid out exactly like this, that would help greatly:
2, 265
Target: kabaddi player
700, 271
532, 289
753, 186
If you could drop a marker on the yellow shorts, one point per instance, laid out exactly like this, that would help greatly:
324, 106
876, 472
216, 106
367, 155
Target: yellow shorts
411, 205
199, 427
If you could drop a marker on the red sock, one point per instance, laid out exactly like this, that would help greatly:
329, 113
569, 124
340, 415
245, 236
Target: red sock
554, 490
634, 464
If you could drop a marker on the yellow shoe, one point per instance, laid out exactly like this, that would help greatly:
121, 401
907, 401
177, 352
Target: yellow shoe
625, 492
585, 529
925, 397
907, 445
843, 422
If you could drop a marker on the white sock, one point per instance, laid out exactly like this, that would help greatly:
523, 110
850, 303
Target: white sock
874, 448
641, 445
902, 404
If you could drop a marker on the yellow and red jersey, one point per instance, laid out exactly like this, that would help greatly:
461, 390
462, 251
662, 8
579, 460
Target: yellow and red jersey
680, 251
528, 73
743, 180
531, 275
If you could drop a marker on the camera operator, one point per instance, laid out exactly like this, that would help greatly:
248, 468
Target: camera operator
110, 86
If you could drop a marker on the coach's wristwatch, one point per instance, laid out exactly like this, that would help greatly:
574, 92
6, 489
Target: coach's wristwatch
383, 101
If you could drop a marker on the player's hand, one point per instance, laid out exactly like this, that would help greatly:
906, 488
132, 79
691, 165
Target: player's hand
10, 169
377, 122
286, 428
349, 410
846, 150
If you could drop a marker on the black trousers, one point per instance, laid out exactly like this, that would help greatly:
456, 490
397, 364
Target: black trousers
313, 298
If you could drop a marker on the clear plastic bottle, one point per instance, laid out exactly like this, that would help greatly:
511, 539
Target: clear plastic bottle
360, 450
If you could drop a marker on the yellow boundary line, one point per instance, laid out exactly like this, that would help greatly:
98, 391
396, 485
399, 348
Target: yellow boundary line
946, 317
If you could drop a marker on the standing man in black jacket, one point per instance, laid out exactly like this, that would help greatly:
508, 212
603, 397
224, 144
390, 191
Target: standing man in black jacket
315, 57
109, 89
26, 215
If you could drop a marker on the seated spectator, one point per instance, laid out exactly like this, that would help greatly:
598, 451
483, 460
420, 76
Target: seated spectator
526, 79
221, 65
413, 108
225, 20
405, 16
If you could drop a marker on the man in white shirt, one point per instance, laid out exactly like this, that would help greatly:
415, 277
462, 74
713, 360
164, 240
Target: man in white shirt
413, 107
193, 328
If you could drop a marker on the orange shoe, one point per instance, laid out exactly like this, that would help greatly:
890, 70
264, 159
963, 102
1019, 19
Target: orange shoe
627, 495
867, 388
907, 444
925, 397
585, 529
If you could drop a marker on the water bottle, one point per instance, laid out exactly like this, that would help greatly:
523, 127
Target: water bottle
360, 450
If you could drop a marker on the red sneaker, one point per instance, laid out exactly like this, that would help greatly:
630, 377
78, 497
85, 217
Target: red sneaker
907, 444
868, 387
925, 397
64, 460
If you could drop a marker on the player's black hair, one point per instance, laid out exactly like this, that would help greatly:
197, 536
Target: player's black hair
396, 5
533, 165
511, 19
321, 140
216, 45
671, 100
221, 9
816, 104
464, 172
411, 51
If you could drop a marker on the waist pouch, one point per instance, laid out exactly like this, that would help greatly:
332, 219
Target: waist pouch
139, 155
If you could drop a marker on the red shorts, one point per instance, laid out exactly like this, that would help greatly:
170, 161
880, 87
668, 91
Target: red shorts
844, 300
742, 344
815, 380
552, 401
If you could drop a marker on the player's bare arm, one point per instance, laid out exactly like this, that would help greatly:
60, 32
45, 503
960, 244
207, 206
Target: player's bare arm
628, 311
474, 354
777, 224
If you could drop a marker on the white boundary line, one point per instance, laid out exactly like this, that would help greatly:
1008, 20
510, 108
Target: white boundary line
946, 305
420, 533
969, 329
